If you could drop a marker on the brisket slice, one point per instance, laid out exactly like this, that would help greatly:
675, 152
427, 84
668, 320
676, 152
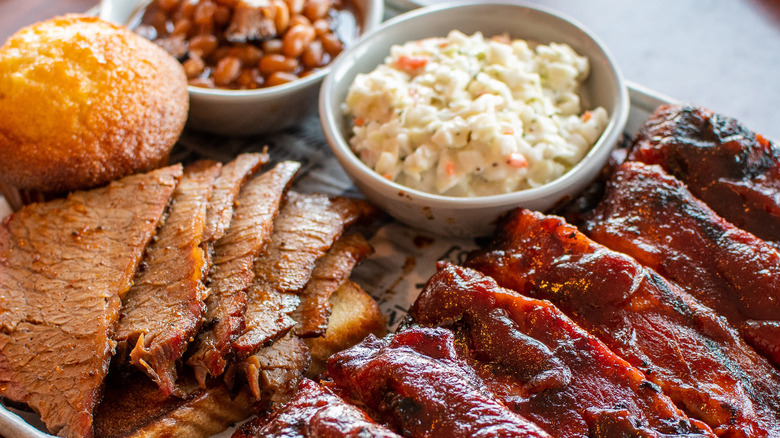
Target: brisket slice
330, 272
63, 267
415, 382
164, 308
696, 358
305, 229
273, 372
314, 412
227, 186
231, 273
734, 170
133, 407
541, 364
652, 217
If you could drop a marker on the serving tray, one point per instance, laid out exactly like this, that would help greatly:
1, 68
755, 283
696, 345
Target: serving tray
404, 258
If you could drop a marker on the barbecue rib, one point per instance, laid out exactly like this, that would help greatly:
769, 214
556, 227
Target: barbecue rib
652, 217
306, 227
414, 382
163, 309
541, 364
233, 176
231, 274
314, 413
699, 362
735, 171
64, 266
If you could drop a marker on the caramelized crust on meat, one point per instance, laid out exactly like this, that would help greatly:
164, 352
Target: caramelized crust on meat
63, 267
541, 364
734, 170
164, 308
698, 360
133, 407
330, 272
231, 273
305, 229
652, 217
414, 382
226, 188
314, 412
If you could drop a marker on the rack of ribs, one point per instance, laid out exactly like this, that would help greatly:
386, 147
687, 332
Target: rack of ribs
64, 267
734, 170
542, 365
652, 217
414, 382
689, 351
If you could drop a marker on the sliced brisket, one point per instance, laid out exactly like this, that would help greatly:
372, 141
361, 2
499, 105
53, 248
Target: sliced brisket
330, 272
164, 308
273, 372
305, 229
64, 266
226, 188
231, 274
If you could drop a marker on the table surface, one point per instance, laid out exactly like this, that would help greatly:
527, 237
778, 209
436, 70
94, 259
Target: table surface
722, 54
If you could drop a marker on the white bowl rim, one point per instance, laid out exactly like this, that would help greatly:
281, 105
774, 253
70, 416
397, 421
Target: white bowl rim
602, 147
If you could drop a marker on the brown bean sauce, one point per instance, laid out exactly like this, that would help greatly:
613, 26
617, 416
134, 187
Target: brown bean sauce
249, 44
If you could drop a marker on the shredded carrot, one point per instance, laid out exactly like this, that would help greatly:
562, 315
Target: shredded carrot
586, 116
517, 160
449, 168
411, 63
387, 176
508, 131
762, 140
359, 121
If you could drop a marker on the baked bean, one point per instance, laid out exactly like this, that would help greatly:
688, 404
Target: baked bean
332, 44
312, 55
316, 9
321, 27
203, 45
168, 5
182, 27
185, 10
273, 63
296, 39
296, 6
281, 16
193, 66
226, 71
249, 78
272, 46
222, 15
279, 78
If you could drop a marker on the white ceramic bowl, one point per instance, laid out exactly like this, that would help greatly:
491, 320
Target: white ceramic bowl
471, 217
246, 112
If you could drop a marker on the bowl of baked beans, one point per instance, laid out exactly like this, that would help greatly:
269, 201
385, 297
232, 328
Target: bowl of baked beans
253, 66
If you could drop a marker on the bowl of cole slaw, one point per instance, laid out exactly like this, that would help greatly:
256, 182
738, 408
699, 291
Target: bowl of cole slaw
450, 115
